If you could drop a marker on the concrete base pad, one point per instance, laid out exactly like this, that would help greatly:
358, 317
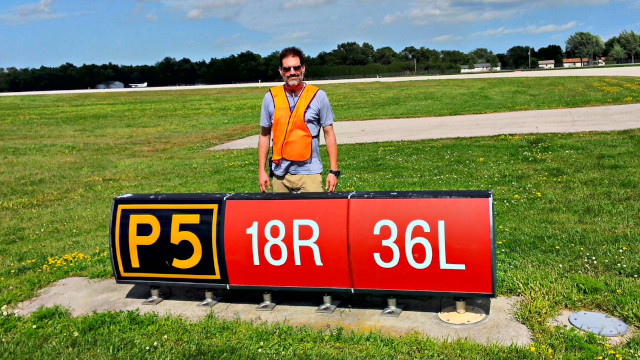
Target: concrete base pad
355, 313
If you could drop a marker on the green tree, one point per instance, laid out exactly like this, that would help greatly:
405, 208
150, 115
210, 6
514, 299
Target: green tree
186, 72
608, 45
585, 45
481, 55
351, 53
408, 53
385, 56
618, 53
519, 56
505, 61
248, 66
166, 70
4, 80
551, 52
454, 57
494, 61
472, 61
630, 42
270, 65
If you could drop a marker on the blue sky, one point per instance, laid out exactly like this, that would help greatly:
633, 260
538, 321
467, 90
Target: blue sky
36, 33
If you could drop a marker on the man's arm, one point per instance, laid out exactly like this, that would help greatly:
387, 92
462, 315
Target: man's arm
264, 141
332, 151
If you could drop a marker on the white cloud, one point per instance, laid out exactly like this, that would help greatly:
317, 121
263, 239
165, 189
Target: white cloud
204, 9
367, 24
294, 4
152, 17
329, 21
446, 38
528, 29
391, 18
427, 12
29, 13
453, 12
298, 36
195, 14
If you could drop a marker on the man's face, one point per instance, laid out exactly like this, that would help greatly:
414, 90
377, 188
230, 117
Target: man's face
291, 70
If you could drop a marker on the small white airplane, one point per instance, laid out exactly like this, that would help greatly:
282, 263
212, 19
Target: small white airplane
142, 85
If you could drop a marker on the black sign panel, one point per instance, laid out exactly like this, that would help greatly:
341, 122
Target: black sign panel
168, 239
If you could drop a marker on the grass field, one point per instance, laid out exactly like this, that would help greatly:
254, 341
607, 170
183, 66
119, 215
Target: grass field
567, 209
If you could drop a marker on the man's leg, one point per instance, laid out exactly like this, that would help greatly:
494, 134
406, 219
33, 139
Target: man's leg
278, 184
297, 183
311, 183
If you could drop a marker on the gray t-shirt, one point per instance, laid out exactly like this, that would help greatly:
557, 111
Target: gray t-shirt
318, 115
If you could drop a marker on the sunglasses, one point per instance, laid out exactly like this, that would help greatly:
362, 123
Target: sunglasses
288, 68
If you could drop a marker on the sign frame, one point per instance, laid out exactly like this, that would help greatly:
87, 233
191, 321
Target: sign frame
220, 202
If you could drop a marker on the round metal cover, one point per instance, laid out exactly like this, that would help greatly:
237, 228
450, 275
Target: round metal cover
472, 315
598, 323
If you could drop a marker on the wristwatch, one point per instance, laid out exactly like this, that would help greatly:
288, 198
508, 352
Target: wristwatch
336, 173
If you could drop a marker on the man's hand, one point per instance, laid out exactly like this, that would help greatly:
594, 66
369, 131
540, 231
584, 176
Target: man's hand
265, 184
332, 183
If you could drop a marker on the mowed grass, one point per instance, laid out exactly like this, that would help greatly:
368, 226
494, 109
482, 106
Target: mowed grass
567, 209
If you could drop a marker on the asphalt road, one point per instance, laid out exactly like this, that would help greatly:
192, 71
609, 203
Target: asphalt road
602, 118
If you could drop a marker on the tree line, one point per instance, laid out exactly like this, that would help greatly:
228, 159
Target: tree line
349, 59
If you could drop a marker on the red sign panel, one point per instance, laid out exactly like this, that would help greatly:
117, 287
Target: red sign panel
287, 243
426, 244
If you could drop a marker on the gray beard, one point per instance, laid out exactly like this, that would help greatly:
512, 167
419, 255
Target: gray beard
294, 81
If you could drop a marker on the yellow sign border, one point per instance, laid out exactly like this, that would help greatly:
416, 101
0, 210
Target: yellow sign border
213, 207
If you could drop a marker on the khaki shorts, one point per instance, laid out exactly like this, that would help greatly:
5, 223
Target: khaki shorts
297, 183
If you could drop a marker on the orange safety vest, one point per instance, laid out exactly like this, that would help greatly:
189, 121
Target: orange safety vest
291, 136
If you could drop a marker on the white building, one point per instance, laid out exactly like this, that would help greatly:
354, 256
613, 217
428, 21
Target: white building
577, 62
546, 64
485, 67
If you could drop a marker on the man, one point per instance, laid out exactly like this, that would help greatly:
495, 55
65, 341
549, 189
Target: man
293, 114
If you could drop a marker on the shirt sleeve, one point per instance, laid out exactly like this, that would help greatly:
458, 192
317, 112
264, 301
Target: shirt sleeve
326, 112
268, 108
